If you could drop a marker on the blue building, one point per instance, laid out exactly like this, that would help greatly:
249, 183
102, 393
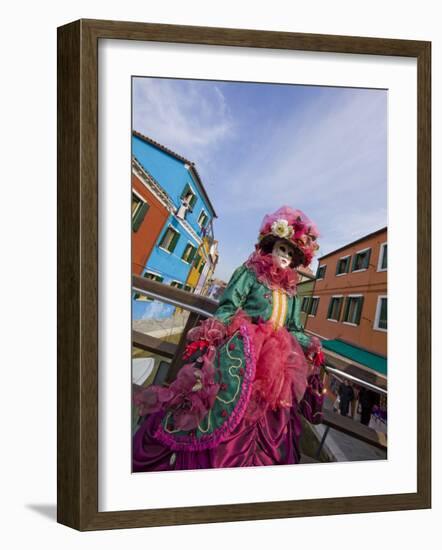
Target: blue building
177, 185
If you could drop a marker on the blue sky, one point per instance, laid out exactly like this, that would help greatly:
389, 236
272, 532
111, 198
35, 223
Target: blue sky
260, 146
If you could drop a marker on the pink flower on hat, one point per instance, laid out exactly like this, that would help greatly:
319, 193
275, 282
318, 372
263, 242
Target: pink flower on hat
294, 226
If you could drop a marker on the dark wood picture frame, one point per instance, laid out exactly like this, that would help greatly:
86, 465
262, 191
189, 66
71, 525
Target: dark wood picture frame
77, 226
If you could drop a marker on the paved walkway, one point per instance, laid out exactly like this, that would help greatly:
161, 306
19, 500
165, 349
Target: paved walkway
346, 448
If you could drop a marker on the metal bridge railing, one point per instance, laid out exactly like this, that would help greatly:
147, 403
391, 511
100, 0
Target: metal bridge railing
203, 307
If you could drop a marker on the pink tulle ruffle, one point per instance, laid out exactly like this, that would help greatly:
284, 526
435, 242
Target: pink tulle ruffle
281, 366
268, 273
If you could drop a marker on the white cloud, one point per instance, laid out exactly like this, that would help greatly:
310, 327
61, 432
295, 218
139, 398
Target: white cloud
190, 118
326, 156
318, 157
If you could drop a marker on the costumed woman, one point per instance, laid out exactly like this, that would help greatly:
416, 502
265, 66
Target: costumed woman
249, 372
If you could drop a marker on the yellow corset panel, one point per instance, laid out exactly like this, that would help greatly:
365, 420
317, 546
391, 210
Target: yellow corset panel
279, 312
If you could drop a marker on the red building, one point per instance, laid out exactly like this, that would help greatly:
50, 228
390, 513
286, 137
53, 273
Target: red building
149, 216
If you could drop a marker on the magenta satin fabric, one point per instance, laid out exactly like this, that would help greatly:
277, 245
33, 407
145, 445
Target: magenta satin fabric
267, 434
268, 440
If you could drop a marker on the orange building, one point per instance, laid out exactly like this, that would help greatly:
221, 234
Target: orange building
350, 294
149, 216
348, 311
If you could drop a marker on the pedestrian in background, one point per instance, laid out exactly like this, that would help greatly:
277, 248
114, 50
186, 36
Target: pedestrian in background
346, 396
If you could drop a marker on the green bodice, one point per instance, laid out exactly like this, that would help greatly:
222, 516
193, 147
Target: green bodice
234, 362
245, 292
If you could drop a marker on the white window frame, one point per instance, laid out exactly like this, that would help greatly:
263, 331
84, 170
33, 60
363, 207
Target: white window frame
170, 226
178, 282
345, 272
354, 296
382, 247
360, 252
144, 298
153, 273
378, 314
192, 191
319, 267
142, 199
203, 211
331, 298
314, 298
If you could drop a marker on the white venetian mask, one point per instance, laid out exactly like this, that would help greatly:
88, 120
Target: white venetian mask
283, 253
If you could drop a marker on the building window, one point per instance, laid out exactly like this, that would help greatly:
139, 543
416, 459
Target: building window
189, 196
382, 264
334, 308
176, 284
320, 274
361, 260
203, 219
343, 265
151, 277
188, 288
353, 310
380, 322
313, 308
305, 304
196, 260
201, 267
169, 240
189, 253
139, 210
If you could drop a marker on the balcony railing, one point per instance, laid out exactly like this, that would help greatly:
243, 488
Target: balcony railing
203, 307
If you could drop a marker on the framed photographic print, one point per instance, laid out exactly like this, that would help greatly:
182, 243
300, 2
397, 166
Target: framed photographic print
238, 211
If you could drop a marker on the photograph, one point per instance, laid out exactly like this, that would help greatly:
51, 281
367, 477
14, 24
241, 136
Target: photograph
259, 261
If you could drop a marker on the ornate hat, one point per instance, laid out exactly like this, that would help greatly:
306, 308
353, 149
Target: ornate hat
293, 226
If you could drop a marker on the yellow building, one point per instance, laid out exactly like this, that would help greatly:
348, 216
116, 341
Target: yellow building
204, 265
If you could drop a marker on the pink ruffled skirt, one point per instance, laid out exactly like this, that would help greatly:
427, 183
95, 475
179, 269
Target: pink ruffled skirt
269, 431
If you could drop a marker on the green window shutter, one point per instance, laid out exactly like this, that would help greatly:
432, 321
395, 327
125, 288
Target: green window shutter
384, 258
359, 310
338, 264
197, 260
139, 216
192, 254
347, 266
183, 257
367, 258
330, 306
383, 314
185, 190
203, 219
347, 306
163, 239
201, 267
315, 306
341, 300
193, 201
173, 244
353, 267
